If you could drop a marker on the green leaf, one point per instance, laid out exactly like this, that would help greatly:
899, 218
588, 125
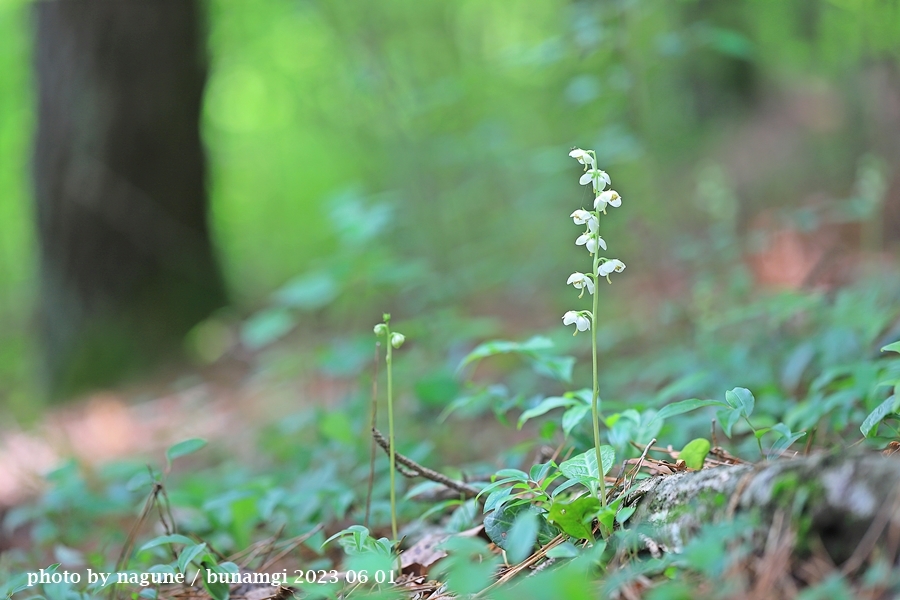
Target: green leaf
18, 584
677, 408
607, 518
217, 590
497, 524
492, 348
167, 539
728, 418
538, 472
493, 486
564, 550
575, 517
783, 443
564, 486
694, 453
469, 567
184, 448
188, 554
572, 417
535, 351
545, 406
877, 416
554, 367
742, 399
625, 514
464, 517
583, 467
521, 537
514, 474
782, 430
497, 499
24, 585
895, 347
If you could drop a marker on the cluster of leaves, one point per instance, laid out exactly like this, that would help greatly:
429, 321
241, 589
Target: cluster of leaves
310, 468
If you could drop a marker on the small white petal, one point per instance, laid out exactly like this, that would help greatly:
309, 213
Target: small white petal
583, 239
593, 223
581, 216
599, 178
610, 197
602, 242
599, 203
579, 319
592, 245
582, 156
611, 266
604, 177
582, 323
581, 281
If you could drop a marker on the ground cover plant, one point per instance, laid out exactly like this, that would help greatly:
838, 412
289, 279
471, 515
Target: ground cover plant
561, 514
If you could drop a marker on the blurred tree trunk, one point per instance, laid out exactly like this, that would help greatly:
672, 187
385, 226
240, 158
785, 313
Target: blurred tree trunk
119, 174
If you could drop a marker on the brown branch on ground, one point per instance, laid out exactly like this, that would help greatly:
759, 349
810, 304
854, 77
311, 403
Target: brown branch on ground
418, 470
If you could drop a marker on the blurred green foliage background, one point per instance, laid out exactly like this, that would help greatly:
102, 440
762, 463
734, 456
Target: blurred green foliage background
413, 155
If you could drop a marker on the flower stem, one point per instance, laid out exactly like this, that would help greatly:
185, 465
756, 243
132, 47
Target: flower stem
390, 395
595, 397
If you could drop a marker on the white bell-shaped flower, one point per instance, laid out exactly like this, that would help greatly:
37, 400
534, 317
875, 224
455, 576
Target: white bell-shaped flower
583, 217
610, 266
581, 282
577, 318
582, 156
580, 216
609, 197
590, 241
397, 339
597, 177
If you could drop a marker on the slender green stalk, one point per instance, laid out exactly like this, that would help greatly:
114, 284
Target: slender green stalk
595, 397
390, 395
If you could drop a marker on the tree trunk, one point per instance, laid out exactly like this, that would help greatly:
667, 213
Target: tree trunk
119, 173
846, 506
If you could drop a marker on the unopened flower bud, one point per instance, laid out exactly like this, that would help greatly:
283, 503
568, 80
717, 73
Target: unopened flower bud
397, 339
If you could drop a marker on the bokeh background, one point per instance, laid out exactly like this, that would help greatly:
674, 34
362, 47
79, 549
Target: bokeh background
412, 157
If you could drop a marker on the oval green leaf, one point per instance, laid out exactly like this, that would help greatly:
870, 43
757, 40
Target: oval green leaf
694, 453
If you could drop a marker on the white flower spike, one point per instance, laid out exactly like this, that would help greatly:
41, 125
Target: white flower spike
585, 158
577, 318
610, 266
610, 197
581, 282
590, 242
599, 178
